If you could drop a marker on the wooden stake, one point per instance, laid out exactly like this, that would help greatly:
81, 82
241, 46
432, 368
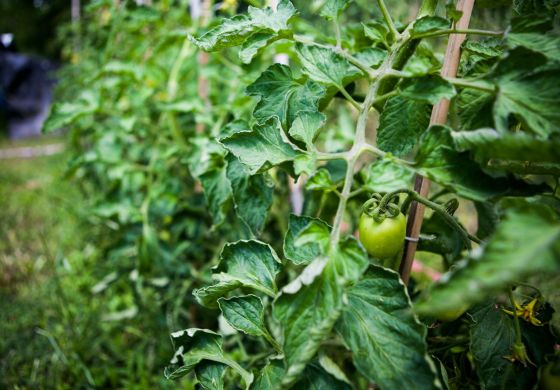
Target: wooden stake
439, 117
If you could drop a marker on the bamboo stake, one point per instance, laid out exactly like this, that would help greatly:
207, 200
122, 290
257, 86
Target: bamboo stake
439, 116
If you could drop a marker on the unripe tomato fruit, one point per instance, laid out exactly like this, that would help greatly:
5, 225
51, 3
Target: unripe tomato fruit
382, 240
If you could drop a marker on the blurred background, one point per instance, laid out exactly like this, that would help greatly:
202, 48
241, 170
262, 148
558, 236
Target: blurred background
79, 308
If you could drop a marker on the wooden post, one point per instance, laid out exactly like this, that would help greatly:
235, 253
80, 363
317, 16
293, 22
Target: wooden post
202, 12
439, 116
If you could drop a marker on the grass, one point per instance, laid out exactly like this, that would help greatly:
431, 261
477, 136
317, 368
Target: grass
37, 221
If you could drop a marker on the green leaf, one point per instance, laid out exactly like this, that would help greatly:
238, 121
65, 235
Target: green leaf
402, 121
429, 24
429, 89
252, 195
438, 160
528, 92
253, 44
210, 375
303, 254
260, 148
512, 253
512, 152
376, 31
547, 44
218, 193
385, 176
387, 342
240, 28
371, 56
316, 378
244, 313
321, 181
306, 127
193, 346
270, 377
325, 66
283, 96
333, 8
252, 263
491, 337
65, 114
208, 296
475, 109
308, 313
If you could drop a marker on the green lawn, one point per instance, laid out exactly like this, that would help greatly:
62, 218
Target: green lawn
38, 227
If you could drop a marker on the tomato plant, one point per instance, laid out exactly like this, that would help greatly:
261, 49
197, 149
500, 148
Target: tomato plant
260, 183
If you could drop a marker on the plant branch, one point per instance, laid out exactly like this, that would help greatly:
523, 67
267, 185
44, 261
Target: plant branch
388, 20
462, 83
472, 31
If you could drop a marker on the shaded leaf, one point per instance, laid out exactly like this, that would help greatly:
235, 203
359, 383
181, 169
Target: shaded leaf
402, 121
429, 89
210, 375
428, 24
308, 315
387, 342
512, 253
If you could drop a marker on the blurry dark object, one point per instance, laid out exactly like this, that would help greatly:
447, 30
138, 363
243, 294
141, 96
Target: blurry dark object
25, 90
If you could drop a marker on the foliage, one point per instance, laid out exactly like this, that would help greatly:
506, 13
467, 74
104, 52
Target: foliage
193, 180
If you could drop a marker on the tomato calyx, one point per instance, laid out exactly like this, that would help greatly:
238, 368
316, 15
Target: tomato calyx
378, 208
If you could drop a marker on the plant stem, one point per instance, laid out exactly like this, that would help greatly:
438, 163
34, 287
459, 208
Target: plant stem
518, 339
472, 31
481, 86
388, 20
345, 93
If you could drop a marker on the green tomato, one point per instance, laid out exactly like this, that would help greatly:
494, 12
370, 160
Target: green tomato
382, 240
452, 314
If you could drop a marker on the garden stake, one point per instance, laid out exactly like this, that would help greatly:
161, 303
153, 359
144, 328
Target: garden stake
439, 116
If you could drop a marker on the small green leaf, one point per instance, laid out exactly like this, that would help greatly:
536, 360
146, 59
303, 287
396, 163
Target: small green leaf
302, 254
321, 181
240, 28
306, 127
218, 193
191, 347
402, 121
210, 375
252, 194
252, 263
429, 89
208, 296
333, 8
325, 66
429, 24
244, 313
253, 44
283, 96
270, 377
260, 148
376, 31
194, 346
387, 342
512, 253
385, 176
